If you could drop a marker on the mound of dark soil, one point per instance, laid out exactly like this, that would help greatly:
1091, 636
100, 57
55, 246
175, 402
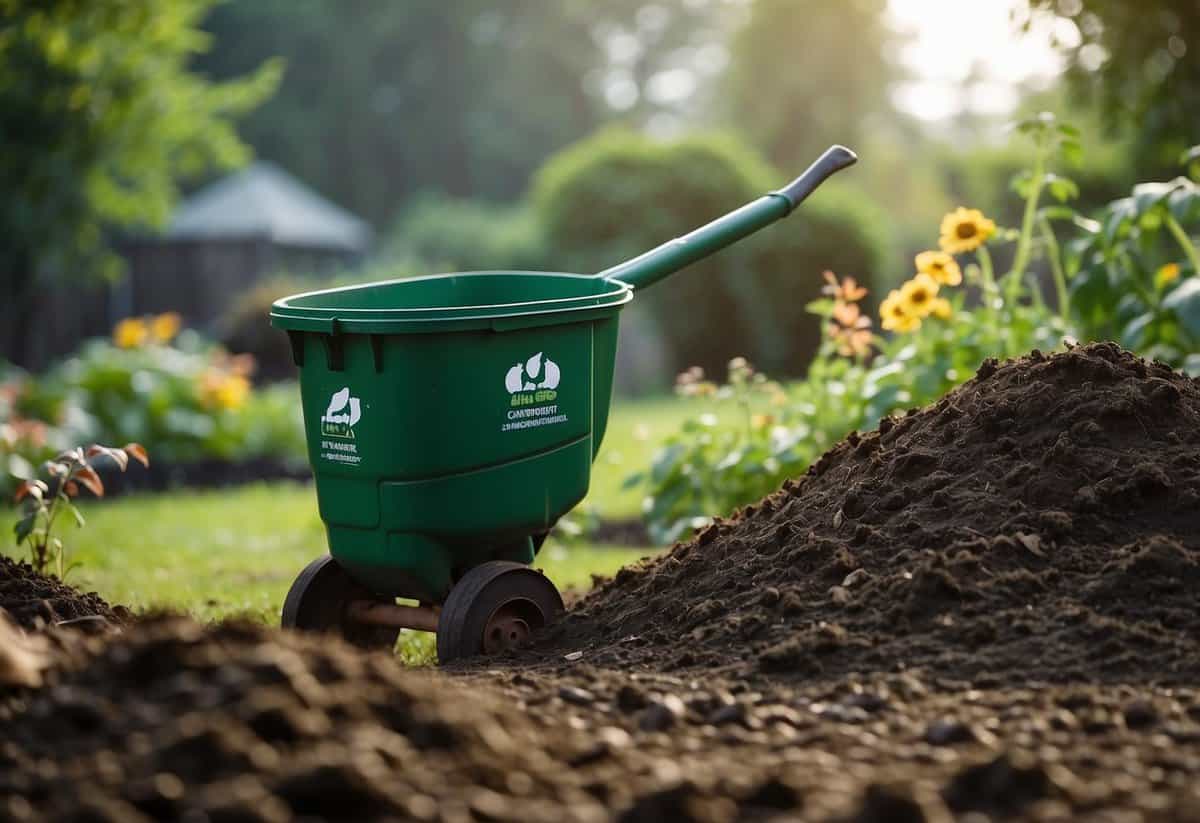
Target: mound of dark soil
172, 720
34, 599
1040, 523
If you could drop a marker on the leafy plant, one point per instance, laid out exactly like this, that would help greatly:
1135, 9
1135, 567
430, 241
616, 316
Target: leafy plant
184, 398
102, 118
43, 501
753, 432
1134, 272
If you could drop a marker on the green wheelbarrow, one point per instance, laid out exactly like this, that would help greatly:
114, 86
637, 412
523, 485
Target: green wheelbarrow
451, 420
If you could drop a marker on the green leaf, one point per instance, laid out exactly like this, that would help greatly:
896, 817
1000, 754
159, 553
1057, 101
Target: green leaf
1184, 203
1062, 188
1022, 183
1148, 196
1072, 152
821, 307
666, 461
1120, 214
79, 521
1057, 213
24, 527
1134, 333
1184, 301
633, 480
1191, 365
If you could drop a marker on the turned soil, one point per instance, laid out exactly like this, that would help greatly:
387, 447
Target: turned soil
35, 600
1039, 524
986, 610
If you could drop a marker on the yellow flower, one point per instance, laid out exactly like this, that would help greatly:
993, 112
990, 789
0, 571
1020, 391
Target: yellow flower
1166, 275
940, 266
918, 294
965, 230
941, 309
130, 333
761, 421
894, 316
223, 391
164, 327
233, 392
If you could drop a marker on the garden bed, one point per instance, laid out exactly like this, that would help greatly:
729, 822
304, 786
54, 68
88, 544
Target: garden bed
985, 608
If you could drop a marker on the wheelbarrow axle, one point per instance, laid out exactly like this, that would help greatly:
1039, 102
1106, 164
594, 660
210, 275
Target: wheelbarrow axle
393, 615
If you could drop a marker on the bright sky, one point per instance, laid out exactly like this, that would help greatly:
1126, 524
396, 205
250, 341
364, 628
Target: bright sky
947, 38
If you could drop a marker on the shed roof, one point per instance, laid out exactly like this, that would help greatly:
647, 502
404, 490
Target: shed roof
262, 200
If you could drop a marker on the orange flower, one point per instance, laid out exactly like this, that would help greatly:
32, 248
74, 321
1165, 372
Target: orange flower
847, 290
851, 330
847, 314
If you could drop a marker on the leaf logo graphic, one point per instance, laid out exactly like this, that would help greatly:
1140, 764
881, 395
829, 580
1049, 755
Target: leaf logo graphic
535, 373
341, 414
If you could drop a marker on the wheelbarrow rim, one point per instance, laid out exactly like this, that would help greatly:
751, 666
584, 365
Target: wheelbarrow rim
287, 314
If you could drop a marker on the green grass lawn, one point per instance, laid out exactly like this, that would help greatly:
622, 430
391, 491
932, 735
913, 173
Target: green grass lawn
219, 553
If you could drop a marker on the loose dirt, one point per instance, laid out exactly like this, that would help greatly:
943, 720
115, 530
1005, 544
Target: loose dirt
35, 600
987, 610
1039, 524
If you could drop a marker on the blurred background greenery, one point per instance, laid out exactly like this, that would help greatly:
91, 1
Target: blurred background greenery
524, 135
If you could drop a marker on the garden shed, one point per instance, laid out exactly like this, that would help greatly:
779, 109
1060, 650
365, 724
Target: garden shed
232, 233
219, 242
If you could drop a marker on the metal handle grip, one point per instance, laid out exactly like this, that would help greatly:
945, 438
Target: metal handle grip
648, 268
832, 161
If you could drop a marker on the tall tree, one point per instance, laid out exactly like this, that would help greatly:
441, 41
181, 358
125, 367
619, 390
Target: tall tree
803, 75
101, 119
1140, 61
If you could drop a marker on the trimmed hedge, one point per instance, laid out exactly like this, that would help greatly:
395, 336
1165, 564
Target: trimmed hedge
617, 194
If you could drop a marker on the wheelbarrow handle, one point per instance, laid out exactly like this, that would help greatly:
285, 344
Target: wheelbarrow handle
647, 269
832, 161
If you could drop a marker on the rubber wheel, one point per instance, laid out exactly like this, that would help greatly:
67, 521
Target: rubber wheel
317, 602
496, 606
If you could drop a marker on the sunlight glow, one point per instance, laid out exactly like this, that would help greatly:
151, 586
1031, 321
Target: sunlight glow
966, 56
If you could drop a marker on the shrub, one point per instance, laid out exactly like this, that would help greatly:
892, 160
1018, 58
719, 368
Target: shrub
617, 194
184, 400
448, 235
1135, 273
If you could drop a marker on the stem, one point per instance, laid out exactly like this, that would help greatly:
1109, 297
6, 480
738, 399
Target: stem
1185, 242
1025, 240
990, 290
1056, 268
989, 281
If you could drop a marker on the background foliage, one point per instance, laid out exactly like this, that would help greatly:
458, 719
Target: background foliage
1138, 62
102, 116
617, 194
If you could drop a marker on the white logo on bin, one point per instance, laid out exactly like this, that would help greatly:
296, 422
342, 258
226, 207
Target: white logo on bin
341, 415
532, 386
532, 375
